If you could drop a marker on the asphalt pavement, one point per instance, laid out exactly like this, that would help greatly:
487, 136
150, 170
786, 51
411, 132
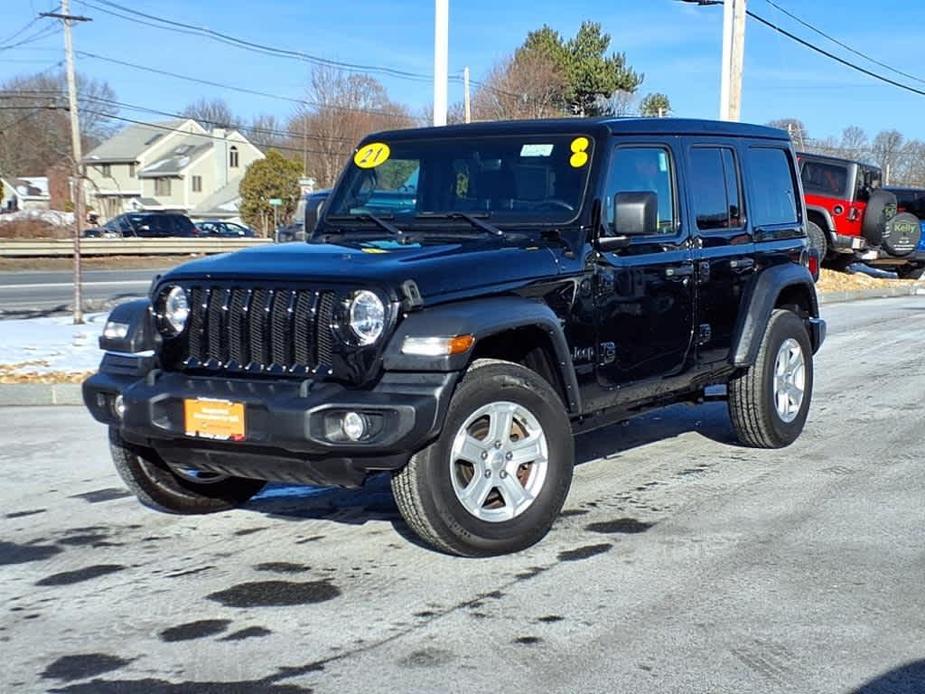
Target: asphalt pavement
683, 562
24, 294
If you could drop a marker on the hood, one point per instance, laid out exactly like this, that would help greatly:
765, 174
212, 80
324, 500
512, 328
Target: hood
438, 269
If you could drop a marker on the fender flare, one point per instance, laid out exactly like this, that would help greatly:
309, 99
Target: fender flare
141, 336
758, 303
481, 318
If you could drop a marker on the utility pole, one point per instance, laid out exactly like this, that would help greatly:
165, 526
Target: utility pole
730, 90
76, 150
467, 101
441, 59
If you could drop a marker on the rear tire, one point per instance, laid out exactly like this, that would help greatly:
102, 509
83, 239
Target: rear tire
817, 239
910, 272
158, 487
769, 401
468, 493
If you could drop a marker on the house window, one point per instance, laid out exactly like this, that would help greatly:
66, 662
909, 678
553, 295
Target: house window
162, 186
233, 158
131, 170
107, 171
197, 184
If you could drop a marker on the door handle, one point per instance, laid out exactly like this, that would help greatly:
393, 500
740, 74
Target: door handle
685, 270
742, 264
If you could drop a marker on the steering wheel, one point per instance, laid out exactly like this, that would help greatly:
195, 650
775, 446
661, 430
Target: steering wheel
555, 204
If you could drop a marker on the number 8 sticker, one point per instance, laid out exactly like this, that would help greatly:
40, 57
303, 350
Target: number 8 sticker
579, 149
372, 155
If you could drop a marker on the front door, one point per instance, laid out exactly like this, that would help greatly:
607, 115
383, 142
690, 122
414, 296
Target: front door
644, 292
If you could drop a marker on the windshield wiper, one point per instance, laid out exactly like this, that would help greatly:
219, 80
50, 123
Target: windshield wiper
471, 218
367, 217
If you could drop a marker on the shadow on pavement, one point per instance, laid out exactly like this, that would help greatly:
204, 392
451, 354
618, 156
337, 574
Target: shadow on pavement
374, 501
905, 679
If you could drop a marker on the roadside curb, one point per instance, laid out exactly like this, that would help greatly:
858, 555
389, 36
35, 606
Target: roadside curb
29, 394
875, 293
37, 394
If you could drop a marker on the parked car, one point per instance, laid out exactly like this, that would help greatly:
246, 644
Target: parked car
221, 228
305, 218
144, 225
851, 217
912, 200
545, 277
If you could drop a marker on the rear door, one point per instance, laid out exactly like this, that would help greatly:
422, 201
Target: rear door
724, 252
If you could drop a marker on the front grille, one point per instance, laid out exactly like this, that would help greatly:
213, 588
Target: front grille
259, 330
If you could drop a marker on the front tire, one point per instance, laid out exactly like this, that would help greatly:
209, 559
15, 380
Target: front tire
769, 401
159, 487
496, 478
910, 272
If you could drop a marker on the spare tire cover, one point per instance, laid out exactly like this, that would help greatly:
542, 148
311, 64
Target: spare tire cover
880, 207
901, 234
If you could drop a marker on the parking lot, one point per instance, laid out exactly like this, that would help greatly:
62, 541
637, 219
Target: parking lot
681, 563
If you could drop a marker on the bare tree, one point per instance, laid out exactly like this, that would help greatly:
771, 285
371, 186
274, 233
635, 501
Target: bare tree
346, 107
34, 130
212, 113
854, 143
887, 152
797, 130
526, 85
266, 131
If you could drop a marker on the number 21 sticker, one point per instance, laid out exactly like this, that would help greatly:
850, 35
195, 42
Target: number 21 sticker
372, 155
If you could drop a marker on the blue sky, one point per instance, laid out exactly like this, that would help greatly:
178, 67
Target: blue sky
677, 46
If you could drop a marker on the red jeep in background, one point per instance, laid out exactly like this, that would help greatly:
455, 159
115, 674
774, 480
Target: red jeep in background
851, 218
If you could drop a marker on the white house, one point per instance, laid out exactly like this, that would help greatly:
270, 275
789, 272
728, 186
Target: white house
173, 165
24, 193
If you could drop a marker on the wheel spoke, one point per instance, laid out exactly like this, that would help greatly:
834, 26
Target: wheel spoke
470, 449
477, 491
525, 451
501, 421
513, 492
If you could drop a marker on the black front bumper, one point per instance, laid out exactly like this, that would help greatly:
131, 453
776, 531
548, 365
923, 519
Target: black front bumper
290, 433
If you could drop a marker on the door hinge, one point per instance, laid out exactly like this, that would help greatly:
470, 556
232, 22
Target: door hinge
704, 334
703, 272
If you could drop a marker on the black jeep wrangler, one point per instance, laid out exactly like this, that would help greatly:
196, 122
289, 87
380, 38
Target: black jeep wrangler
471, 297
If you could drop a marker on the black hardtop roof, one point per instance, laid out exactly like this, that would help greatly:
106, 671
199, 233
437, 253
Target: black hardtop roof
835, 160
599, 126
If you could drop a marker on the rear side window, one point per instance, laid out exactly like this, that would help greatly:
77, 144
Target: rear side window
715, 186
771, 187
821, 178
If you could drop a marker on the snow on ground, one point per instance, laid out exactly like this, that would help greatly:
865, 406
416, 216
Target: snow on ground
50, 345
53, 217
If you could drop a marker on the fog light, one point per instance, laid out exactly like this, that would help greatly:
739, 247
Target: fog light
354, 426
115, 331
118, 406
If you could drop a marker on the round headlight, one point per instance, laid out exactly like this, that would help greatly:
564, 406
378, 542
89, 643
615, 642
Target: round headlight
176, 309
367, 317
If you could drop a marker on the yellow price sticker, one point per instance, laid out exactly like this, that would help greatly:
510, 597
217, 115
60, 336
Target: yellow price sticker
372, 155
579, 149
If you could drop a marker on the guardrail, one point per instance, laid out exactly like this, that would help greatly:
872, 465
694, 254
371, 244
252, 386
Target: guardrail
49, 248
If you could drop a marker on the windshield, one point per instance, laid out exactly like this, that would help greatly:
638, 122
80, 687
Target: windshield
514, 179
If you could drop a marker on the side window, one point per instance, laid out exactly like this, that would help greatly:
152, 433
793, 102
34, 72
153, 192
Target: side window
715, 187
640, 169
770, 187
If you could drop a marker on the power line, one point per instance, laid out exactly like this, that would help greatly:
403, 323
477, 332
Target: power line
131, 15
245, 44
42, 93
846, 63
231, 87
43, 33
841, 43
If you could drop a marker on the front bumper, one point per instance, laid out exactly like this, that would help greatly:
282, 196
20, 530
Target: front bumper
289, 434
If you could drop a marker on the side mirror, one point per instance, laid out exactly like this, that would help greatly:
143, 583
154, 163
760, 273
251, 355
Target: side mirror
635, 213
